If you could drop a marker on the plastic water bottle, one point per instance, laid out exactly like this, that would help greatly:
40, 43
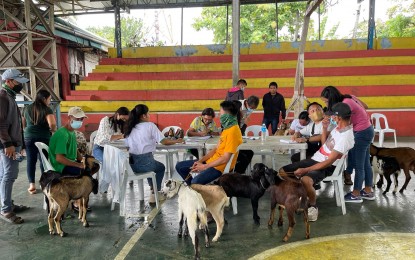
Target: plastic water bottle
263, 133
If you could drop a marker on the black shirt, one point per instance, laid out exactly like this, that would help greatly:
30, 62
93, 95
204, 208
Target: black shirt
273, 105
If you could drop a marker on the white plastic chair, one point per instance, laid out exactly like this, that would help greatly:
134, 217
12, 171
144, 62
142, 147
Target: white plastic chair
169, 153
128, 176
91, 141
44, 148
226, 171
337, 179
376, 118
256, 131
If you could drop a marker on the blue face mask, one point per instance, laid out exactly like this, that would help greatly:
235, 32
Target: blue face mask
332, 122
250, 110
76, 124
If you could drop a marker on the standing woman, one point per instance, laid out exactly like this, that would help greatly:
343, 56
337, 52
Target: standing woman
142, 136
39, 121
358, 157
110, 129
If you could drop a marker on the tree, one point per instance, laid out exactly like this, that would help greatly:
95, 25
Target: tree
400, 23
258, 22
133, 33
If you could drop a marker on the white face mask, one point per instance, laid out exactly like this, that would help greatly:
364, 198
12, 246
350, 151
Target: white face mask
76, 124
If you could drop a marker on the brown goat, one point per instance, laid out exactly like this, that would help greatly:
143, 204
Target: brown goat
216, 200
405, 156
291, 195
61, 191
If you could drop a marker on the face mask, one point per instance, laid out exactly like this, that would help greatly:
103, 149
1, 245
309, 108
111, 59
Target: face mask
76, 124
250, 110
316, 116
332, 122
227, 120
18, 88
243, 89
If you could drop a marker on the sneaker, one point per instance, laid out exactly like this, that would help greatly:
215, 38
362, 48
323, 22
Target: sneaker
349, 197
367, 195
317, 186
152, 198
312, 213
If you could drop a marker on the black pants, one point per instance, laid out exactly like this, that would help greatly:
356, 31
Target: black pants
243, 160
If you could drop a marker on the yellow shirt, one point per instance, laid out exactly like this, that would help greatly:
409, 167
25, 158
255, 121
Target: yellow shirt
229, 141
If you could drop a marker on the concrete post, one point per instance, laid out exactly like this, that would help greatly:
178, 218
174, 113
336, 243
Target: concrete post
117, 16
235, 40
371, 25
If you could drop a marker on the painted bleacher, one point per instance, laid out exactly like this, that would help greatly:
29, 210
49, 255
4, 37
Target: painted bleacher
179, 82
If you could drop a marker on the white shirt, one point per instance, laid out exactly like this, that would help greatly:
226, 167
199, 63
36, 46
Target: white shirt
105, 131
318, 129
341, 141
296, 126
144, 138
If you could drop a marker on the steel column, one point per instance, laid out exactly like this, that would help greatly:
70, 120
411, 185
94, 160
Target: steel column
235, 40
371, 25
117, 16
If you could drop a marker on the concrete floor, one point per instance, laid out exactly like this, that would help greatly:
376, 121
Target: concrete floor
383, 228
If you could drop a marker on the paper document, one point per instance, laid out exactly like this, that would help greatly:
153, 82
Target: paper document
198, 138
288, 141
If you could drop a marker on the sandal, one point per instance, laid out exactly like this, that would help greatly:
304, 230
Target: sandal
12, 218
32, 190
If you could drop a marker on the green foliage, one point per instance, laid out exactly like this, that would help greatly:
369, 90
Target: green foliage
258, 22
400, 23
133, 33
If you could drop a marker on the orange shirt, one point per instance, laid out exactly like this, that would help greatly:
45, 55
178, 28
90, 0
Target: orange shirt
229, 141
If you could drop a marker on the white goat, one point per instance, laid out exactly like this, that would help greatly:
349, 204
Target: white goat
216, 200
191, 207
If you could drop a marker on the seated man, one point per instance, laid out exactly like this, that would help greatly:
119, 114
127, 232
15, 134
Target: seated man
203, 126
299, 123
211, 166
311, 134
63, 152
339, 141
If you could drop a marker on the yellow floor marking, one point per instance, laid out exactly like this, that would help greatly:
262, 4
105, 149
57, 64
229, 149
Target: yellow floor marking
382, 245
140, 231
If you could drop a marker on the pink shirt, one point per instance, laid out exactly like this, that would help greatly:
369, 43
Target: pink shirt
360, 119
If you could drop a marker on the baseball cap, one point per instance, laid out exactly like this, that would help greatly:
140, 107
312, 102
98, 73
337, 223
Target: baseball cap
14, 74
76, 112
340, 109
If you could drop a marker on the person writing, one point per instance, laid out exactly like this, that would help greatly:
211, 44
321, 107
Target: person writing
142, 136
110, 129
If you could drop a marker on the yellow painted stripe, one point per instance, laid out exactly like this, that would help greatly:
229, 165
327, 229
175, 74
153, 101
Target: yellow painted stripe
252, 83
264, 48
199, 105
291, 64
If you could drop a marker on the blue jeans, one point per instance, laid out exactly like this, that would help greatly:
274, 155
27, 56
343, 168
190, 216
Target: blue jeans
33, 155
98, 152
359, 159
9, 169
274, 123
141, 163
204, 177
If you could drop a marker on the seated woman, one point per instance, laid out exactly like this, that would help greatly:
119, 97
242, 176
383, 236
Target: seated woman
299, 123
212, 165
142, 136
110, 129
202, 126
311, 134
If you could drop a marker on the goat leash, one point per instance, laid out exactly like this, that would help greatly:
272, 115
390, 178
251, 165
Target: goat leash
262, 185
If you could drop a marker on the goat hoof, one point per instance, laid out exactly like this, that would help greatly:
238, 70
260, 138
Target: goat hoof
63, 234
401, 191
256, 221
280, 223
215, 239
384, 193
86, 224
179, 235
285, 239
307, 236
269, 226
207, 245
52, 232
